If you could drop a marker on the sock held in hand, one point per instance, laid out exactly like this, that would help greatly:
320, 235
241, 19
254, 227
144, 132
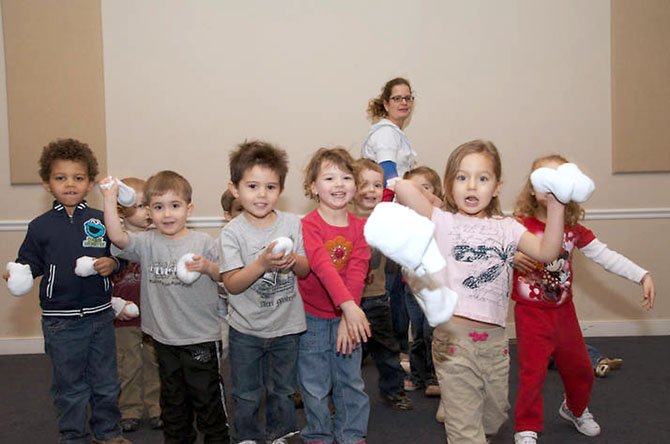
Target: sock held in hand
85, 267
126, 196
283, 244
187, 277
567, 183
20, 279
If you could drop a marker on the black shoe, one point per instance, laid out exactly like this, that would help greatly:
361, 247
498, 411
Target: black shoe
130, 424
399, 401
155, 422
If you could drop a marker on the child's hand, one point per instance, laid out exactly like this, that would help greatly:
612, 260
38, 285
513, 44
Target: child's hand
104, 266
525, 265
124, 315
276, 261
649, 292
109, 188
357, 324
345, 345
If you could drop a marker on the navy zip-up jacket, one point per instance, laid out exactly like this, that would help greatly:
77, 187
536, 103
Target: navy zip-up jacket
54, 242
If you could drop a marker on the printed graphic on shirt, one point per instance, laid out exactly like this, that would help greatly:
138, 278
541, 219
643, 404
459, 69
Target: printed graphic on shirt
551, 283
95, 234
339, 250
502, 260
275, 288
164, 273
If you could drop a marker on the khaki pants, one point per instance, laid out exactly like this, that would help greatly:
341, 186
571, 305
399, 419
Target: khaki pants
472, 368
138, 373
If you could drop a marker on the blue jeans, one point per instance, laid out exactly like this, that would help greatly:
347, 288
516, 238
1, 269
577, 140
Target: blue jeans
420, 349
82, 351
383, 345
263, 366
395, 288
321, 371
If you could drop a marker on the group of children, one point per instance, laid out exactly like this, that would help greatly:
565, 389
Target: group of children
304, 315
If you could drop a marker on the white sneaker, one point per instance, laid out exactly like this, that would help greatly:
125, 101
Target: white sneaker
525, 437
585, 424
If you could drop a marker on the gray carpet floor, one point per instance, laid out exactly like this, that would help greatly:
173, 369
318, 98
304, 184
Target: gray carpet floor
632, 405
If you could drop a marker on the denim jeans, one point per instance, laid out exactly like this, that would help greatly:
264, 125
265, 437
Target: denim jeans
321, 371
263, 367
420, 349
395, 288
82, 351
383, 345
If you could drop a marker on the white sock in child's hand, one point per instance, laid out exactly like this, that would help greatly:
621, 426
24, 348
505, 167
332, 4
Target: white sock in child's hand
120, 305
20, 279
566, 182
283, 244
126, 196
187, 277
85, 267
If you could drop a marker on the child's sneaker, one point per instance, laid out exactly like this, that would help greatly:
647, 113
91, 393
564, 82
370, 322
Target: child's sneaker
411, 386
116, 440
525, 437
602, 370
432, 391
613, 363
585, 424
398, 401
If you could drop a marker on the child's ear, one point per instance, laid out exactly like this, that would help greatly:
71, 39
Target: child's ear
226, 216
233, 189
189, 209
498, 188
312, 188
46, 186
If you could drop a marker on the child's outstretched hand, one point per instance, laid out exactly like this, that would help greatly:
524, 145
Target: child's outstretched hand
357, 324
649, 292
525, 265
109, 188
104, 266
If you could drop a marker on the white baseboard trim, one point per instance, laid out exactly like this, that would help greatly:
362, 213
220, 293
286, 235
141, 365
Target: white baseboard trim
640, 327
637, 327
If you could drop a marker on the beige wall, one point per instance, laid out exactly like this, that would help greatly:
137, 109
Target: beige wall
186, 81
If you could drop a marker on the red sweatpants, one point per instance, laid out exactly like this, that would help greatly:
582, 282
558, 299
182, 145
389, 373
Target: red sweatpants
541, 333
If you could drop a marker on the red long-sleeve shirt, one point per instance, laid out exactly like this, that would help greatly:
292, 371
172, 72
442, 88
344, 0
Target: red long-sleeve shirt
338, 257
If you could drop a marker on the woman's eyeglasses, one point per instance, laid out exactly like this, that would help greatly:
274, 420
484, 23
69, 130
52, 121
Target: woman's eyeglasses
398, 99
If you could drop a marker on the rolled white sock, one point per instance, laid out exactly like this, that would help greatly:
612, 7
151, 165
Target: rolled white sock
437, 301
432, 260
283, 244
126, 195
567, 183
582, 187
85, 267
20, 279
118, 304
187, 277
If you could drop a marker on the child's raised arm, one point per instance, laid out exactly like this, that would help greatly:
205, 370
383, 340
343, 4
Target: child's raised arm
411, 195
115, 230
547, 248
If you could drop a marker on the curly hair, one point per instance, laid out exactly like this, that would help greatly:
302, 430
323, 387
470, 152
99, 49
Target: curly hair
478, 146
167, 181
256, 152
376, 108
338, 156
67, 149
526, 203
432, 177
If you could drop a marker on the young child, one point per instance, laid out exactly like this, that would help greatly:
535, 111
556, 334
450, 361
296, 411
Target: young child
231, 206
182, 318
422, 371
329, 359
266, 314
76, 311
545, 318
470, 352
135, 351
382, 345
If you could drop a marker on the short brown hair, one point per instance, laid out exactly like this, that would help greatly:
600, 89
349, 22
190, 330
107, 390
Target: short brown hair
227, 199
429, 174
478, 146
166, 181
338, 156
365, 164
67, 149
256, 152
376, 108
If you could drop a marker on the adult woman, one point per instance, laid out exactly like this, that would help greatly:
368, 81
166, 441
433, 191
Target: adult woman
386, 143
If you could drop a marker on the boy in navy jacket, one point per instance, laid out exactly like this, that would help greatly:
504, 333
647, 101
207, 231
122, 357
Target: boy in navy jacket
76, 311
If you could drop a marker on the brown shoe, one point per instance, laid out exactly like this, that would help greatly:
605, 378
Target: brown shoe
433, 391
440, 416
614, 363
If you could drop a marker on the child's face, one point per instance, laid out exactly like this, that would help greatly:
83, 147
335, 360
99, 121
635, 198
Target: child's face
69, 183
541, 198
169, 213
370, 190
475, 185
257, 192
334, 187
423, 182
137, 217
236, 209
